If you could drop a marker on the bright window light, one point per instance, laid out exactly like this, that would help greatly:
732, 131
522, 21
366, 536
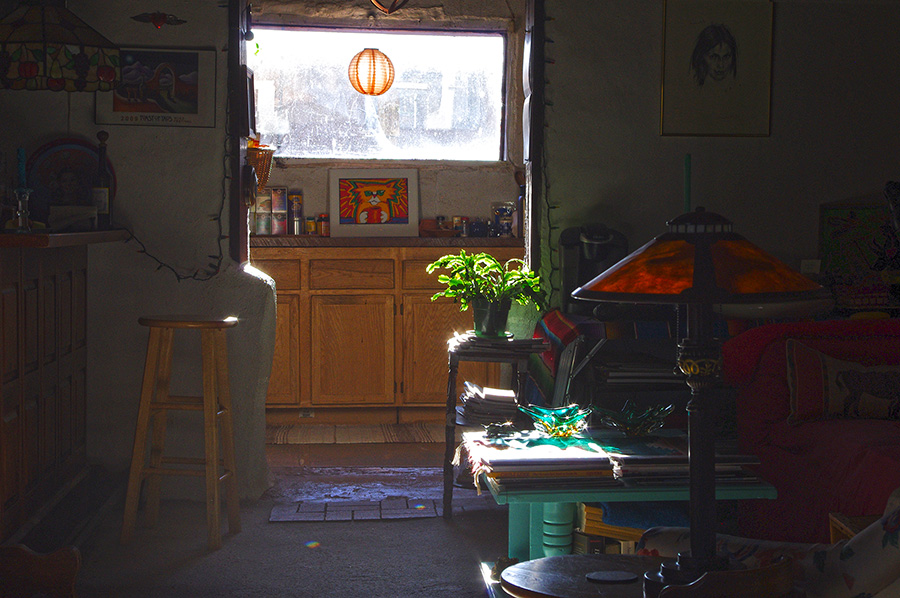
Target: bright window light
446, 102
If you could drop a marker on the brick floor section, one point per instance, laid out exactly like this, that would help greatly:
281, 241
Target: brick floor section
395, 507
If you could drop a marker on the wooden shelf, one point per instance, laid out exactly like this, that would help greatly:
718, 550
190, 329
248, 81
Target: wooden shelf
314, 241
51, 240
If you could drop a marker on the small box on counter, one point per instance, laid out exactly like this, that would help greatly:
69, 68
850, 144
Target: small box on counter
263, 203
279, 199
264, 223
279, 223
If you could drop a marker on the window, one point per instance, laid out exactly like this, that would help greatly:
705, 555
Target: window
446, 103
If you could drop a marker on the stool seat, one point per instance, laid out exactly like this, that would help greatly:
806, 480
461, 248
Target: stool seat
188, 321
217, 466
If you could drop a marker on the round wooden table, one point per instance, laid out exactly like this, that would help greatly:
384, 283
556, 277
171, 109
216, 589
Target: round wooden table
564, 576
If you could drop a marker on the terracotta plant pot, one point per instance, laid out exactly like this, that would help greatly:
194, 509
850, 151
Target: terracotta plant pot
490, 318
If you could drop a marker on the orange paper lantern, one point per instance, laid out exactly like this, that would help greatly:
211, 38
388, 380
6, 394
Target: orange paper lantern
371, 72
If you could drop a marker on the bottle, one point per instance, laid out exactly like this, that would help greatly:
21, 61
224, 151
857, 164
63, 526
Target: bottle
295, 213
100, 192
310, 225
323, 227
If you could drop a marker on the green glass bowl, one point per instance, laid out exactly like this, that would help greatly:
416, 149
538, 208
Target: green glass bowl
558, 422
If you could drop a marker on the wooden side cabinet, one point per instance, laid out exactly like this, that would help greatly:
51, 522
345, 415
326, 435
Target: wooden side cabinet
42, 382
357, 328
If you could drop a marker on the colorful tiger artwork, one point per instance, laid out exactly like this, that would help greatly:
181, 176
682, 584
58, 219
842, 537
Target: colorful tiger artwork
374, 201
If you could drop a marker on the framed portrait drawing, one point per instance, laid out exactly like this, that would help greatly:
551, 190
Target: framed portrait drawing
374, 202
162, 88
716, 67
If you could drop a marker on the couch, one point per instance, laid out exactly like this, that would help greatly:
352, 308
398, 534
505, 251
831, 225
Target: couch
818, 403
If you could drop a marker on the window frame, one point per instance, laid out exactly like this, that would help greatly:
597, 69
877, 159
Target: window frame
506, 87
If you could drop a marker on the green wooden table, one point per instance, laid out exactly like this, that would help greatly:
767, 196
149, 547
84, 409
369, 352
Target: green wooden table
542, 516
538, 518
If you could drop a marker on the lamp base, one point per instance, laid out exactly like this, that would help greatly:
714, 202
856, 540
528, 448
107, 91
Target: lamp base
683, 571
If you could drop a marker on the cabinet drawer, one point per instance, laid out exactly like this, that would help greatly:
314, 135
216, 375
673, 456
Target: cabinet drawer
286, 273
351, 274
415, 276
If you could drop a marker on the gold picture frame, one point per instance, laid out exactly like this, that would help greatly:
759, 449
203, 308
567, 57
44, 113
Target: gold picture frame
716, 68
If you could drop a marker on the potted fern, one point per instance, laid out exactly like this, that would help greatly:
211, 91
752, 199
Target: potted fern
489, 286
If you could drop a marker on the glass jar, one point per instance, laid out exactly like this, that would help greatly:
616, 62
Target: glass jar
323, 226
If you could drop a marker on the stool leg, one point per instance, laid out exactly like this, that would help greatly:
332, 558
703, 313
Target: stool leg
210, 430
232, 500
136, 473
158, 434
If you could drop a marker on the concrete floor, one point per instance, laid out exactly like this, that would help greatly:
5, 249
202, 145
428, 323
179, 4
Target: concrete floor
430, 557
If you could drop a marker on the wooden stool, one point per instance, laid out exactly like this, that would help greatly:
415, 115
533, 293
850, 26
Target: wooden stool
216, 407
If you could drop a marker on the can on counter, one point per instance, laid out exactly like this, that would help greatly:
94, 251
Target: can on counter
310, 225
457, 222
464, 230
323, 226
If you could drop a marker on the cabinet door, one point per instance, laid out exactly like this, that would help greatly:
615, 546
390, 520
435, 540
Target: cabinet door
352, 349
427, 326
284, 382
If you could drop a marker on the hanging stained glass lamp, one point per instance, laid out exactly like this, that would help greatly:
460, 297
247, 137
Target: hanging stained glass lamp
371, 72
43, 45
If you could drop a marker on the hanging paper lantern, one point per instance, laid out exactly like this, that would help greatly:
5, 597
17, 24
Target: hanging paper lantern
371, 72
395, 5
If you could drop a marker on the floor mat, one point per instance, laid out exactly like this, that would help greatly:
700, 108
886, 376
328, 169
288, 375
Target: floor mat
380, 433
366, 493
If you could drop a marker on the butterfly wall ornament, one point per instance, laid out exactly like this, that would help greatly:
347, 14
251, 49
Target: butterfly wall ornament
395, 5
158, 19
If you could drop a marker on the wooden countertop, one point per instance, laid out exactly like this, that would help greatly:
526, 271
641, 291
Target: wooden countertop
314, 241
51, 240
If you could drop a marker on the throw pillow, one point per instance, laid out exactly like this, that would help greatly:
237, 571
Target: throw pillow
825, 387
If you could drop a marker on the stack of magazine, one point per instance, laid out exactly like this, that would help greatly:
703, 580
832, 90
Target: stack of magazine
663, 460
528, 459
488, 405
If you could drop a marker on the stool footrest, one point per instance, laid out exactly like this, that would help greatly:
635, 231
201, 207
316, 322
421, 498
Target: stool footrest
148, 471
187, 461
185, 403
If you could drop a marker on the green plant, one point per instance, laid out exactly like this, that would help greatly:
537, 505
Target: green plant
481, 277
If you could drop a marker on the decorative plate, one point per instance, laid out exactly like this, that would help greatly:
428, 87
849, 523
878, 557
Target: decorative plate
61, 173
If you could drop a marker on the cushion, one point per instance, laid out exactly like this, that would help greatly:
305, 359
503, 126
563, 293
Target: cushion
824, 387
559, 330
861, 567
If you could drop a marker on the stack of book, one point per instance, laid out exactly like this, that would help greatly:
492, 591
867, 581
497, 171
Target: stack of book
663, 460
590, 521
536, 463
471, 341
488, 405
594, 536
640, 369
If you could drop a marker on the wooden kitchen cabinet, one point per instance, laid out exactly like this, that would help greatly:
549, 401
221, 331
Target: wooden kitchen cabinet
426, 327
284, 383
357, 330
42, 389
351, 348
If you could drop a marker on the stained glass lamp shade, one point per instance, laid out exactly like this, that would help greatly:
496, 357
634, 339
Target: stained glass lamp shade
701, 263
44, 46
